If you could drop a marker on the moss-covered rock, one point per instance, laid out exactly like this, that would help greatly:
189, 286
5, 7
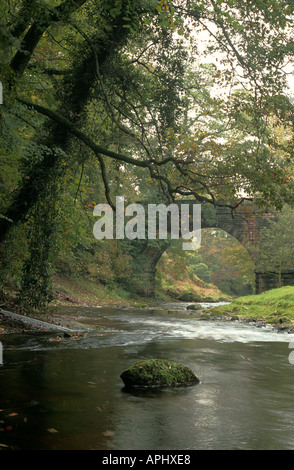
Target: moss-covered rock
194, 307
189, 297
152, 373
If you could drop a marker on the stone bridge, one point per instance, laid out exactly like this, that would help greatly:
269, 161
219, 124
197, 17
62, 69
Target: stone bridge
244, 225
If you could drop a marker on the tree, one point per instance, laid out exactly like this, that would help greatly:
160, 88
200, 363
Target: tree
114, 77
276, 246
230, 265
201, 270
236, 24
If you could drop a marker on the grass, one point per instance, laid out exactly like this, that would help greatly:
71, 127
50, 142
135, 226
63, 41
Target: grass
76, 290
179, 284
79, 291
275, 306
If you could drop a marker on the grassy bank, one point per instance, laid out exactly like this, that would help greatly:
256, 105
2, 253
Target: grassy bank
275, 307
77, 291
73, 290
175, 279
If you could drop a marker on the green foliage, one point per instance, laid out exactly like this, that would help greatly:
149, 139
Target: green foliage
230, 266
107, 98
276, 247
13, 255
176, 277
201, 270
36, 283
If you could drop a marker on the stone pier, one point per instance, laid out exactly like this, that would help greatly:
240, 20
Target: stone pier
270, 280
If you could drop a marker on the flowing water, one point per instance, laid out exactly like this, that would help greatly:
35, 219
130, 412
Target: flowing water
66, 393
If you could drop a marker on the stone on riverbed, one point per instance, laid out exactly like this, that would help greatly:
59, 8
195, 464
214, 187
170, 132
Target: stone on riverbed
157, 373
194, 307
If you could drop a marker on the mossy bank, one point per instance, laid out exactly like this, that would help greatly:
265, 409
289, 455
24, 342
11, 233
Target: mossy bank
275, 307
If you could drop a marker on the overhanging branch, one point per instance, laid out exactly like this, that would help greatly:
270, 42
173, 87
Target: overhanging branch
150, 164
97, 149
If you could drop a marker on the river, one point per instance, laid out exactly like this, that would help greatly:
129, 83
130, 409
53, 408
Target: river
67, 393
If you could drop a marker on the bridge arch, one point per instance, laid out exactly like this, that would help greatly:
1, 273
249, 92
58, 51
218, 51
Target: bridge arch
244, 225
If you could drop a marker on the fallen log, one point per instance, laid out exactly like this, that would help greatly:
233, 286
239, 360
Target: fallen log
32, 323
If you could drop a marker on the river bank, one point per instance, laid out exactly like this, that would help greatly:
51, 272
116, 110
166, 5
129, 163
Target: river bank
275, 308
76, 291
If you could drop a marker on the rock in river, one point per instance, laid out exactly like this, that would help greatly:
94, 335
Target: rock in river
157, 373
194, 307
